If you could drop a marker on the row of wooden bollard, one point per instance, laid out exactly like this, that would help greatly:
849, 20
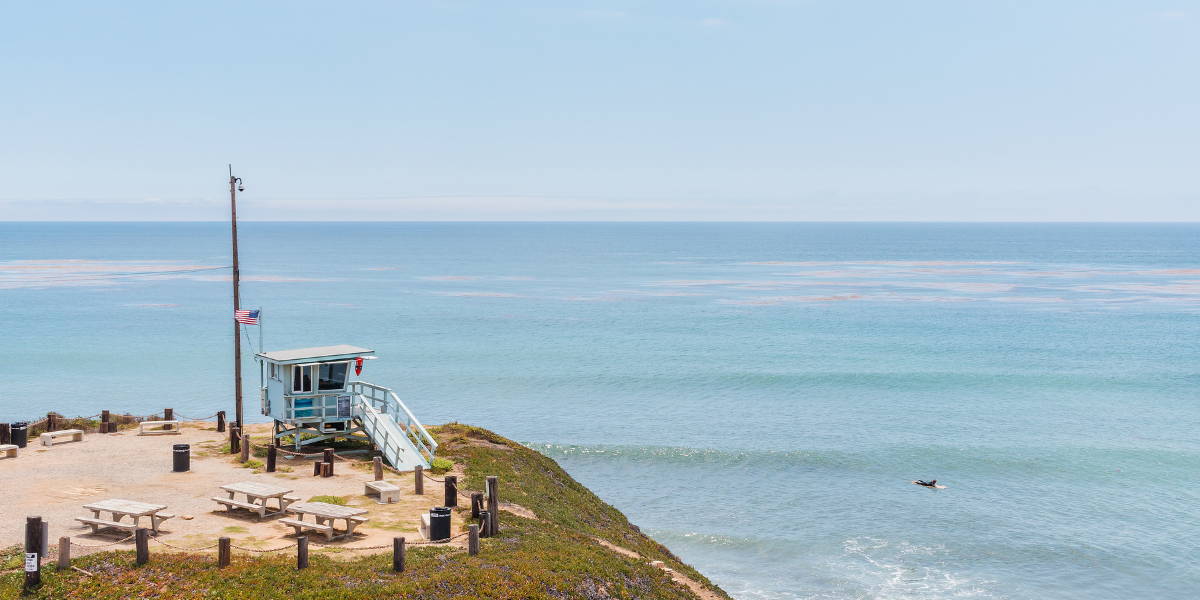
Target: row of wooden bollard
55, 421
449, 489
36, 531
239, 443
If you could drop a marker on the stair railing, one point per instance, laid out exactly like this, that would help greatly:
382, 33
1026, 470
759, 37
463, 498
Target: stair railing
387, 402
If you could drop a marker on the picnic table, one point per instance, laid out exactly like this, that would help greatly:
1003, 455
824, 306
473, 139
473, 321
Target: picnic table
326, 516
119, 509
257, 495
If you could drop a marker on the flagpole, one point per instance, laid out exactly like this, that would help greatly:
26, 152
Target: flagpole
234, 184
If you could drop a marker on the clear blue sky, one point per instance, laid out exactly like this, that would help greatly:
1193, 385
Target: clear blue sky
689, 110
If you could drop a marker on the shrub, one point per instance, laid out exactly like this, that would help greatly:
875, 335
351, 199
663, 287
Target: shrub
339, 500
440, 465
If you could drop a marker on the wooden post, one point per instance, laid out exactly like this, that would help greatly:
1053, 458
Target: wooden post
106, 424
234, 439
493, 498
485, 530
5, 433
51, 421
476, 504
271, 451
420, 484
168, 414
378, 462
245, 446
327, 455
451, 491
64, 553
33, 540
317, 469
472, 540
326, 469
223, 552
302, 552
105, 416
398, 554
141, 540
220, 421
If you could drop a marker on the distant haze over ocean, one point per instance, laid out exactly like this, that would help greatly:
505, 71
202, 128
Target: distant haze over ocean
756, 396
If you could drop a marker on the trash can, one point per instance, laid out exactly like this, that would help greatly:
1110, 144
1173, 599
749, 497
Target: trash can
182, 455
20, 433
439, 523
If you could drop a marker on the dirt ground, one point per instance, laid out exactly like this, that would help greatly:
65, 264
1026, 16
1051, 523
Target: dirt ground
55, 482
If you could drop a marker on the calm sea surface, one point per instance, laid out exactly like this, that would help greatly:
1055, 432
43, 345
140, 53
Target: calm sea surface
755, 396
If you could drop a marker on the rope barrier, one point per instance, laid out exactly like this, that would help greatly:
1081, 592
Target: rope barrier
183, 548
183, 418
74, 543
263, 550
328, 545
445, 541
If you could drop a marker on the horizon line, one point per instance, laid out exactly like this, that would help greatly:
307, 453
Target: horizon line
652, 221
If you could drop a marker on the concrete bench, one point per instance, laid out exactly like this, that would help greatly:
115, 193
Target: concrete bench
387, 492
301, 526
230, 504
9, 450
96, 524
425, 525
48, 438
159, 427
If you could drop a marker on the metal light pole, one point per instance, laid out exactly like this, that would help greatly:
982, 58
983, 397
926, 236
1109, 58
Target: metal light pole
235, 186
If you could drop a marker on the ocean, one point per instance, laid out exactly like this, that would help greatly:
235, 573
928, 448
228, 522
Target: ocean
755, 396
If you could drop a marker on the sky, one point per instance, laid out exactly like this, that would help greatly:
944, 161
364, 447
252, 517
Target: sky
709, 110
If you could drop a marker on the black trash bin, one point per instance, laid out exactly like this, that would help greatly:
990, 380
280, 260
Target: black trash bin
439, 523
182, 456
19, 432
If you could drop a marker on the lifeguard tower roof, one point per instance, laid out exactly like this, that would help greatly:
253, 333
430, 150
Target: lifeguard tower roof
318, 354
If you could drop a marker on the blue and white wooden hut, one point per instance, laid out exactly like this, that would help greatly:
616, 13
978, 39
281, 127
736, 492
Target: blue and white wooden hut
314, 394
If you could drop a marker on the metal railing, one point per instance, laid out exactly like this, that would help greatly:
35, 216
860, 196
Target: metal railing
387, 402
323, 406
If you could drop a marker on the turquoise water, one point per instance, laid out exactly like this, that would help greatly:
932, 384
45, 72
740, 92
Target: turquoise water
756, 396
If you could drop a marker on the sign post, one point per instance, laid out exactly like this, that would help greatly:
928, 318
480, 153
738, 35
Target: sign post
33, 543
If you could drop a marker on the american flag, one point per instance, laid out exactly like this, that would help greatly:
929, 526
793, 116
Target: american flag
246, 317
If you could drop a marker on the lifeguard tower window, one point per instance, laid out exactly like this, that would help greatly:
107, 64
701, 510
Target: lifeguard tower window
332, 377
301, 379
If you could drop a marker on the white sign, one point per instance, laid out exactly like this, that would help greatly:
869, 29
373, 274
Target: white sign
31, 562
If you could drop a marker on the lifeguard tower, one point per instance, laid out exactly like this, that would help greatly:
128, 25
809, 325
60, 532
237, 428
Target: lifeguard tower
313, 395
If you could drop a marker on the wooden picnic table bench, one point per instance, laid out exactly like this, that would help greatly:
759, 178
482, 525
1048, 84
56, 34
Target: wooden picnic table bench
257, 495
326, 516
120, 508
